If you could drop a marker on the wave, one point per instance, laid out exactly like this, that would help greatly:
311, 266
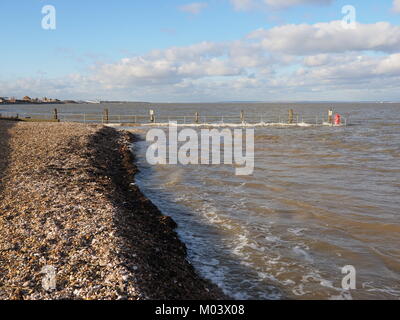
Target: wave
239, 125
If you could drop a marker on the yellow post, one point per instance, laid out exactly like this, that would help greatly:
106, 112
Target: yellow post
152, 116
330, 116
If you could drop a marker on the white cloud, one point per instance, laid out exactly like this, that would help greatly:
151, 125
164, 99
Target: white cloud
342, 68
292, 3
316, 60
329, 37
242, 5
262, 50
389, 66
194, 8
396, 6
73, 85
170, 66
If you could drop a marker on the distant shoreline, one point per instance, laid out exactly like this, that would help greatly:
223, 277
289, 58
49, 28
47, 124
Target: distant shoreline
35, 103
194, 103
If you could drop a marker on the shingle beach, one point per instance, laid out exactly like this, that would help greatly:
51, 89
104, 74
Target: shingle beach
68, 202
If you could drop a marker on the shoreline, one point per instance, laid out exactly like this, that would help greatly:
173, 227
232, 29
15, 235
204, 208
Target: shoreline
68, 199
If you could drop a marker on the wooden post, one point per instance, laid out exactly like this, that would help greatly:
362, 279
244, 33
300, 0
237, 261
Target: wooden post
55, 114
242, 118
106, 116
197, 117
291, 116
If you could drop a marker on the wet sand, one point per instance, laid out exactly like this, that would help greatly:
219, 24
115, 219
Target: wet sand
68, 201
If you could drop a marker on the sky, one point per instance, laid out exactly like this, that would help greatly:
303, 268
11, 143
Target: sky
202, 51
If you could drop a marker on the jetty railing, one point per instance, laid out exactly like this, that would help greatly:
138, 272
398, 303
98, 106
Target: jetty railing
106, 117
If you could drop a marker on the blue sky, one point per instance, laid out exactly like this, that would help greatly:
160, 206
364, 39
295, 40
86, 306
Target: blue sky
103, 49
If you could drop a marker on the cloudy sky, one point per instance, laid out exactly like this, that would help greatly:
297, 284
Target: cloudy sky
212, 50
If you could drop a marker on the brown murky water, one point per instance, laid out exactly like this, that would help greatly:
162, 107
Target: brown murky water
320, 198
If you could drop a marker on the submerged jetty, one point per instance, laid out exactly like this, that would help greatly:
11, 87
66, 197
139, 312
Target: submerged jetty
194, 120
73, 224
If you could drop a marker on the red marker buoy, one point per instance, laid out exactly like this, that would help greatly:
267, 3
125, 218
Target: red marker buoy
338, 119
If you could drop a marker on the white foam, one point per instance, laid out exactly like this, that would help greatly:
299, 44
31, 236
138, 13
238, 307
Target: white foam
344, 295
231, 125
300, 252
299, 290
272, 239
296, 231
